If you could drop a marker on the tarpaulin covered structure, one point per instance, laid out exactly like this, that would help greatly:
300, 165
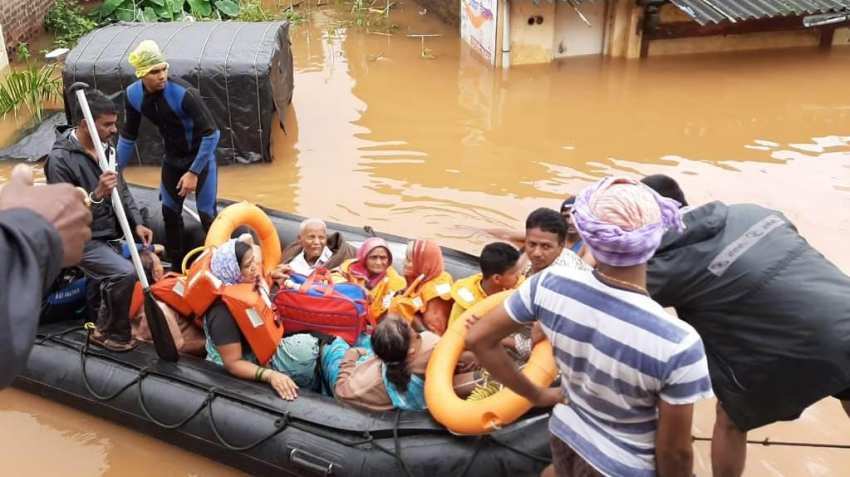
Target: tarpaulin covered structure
243, 72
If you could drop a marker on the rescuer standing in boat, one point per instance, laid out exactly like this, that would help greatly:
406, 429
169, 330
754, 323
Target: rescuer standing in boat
41, 230
189, 134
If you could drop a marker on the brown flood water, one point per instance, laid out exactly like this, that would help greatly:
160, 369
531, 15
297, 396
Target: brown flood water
440, 148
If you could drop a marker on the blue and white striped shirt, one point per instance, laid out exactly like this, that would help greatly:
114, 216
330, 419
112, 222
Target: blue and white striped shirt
619, 352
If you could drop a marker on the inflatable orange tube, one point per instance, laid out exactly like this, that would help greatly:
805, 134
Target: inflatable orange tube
478, 417
245, 213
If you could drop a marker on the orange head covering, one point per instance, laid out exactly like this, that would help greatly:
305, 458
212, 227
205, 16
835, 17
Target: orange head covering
426, 259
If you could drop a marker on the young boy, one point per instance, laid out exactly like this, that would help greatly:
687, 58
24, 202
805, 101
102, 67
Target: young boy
499, 271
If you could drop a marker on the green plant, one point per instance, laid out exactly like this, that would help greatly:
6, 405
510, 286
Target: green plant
165, 10
67, 21
365, 14
30, 88
22, 52
253, 11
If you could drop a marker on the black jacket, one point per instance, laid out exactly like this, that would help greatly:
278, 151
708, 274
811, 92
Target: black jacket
773, 312
69, 162
31, 258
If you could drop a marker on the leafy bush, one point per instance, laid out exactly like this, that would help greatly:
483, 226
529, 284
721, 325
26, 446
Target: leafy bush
166, 10
254, 11
29, 87
67, 21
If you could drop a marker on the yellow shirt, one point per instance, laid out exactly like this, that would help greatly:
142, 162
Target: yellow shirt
467, 292
380, 296
417, 302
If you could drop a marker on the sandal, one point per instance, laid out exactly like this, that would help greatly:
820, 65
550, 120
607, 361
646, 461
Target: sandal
101, 340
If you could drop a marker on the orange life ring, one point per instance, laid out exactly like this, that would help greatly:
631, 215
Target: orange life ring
245, 213
478, 417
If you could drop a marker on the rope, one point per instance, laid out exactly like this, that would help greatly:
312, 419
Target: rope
162, 424
280, 424
49, 337
83, 352
767, 442
397, 443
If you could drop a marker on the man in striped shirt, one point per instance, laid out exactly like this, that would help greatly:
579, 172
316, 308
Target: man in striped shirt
629, 371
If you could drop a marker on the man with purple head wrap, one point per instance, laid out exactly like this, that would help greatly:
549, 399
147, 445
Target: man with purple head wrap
630, 372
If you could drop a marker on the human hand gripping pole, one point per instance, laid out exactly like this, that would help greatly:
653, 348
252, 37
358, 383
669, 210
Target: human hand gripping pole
162, 339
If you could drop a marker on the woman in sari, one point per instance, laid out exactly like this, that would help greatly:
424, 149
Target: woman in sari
373, 270
427, 301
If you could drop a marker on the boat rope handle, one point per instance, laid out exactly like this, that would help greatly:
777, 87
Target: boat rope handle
89, 327
280, 424
162, 424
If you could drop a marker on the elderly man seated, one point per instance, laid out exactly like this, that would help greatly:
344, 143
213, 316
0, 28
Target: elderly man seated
315, 248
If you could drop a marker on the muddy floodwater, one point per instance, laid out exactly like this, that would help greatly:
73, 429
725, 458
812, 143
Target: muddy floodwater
432, 143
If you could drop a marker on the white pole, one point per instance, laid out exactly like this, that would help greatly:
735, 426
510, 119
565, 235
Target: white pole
116, 197
506, 37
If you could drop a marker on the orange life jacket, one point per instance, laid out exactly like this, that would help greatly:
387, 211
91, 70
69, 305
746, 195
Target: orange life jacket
202, 287
171, 290
252, 310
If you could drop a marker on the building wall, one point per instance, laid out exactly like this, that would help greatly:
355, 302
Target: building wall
446, 10
725, 43
622, 34
841, 37
574, 37
738, 42
22, 20
4, 60
532, 44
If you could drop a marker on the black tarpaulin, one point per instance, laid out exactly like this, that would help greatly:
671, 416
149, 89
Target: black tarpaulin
243, 72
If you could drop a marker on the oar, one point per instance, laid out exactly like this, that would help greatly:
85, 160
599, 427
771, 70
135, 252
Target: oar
162, 339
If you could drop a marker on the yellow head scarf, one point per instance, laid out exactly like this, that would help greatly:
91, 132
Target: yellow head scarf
146, 57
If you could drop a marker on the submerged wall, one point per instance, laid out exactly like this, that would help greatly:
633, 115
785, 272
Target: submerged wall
446, 10
22, 20
4, 59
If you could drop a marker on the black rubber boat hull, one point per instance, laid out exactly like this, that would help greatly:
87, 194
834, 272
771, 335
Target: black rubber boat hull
197, 406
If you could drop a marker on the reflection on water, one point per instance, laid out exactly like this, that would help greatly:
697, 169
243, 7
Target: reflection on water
440, 148
445, 146
45, 438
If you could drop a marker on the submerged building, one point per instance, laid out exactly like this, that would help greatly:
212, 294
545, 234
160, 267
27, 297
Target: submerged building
515, 32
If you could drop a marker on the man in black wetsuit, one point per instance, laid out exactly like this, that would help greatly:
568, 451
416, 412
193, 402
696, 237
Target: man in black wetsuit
189, 134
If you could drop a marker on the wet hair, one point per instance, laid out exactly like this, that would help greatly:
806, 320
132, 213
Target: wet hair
99, 104
666, 186
497, 258
391, 341
547, 220
241, 248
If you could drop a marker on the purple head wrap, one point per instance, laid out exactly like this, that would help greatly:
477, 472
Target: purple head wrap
224, 264
622, 220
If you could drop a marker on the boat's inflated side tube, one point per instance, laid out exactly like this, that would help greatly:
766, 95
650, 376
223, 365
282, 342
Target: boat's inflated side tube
477, 417
247, 214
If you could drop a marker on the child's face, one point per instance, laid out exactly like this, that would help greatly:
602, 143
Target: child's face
509, 279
